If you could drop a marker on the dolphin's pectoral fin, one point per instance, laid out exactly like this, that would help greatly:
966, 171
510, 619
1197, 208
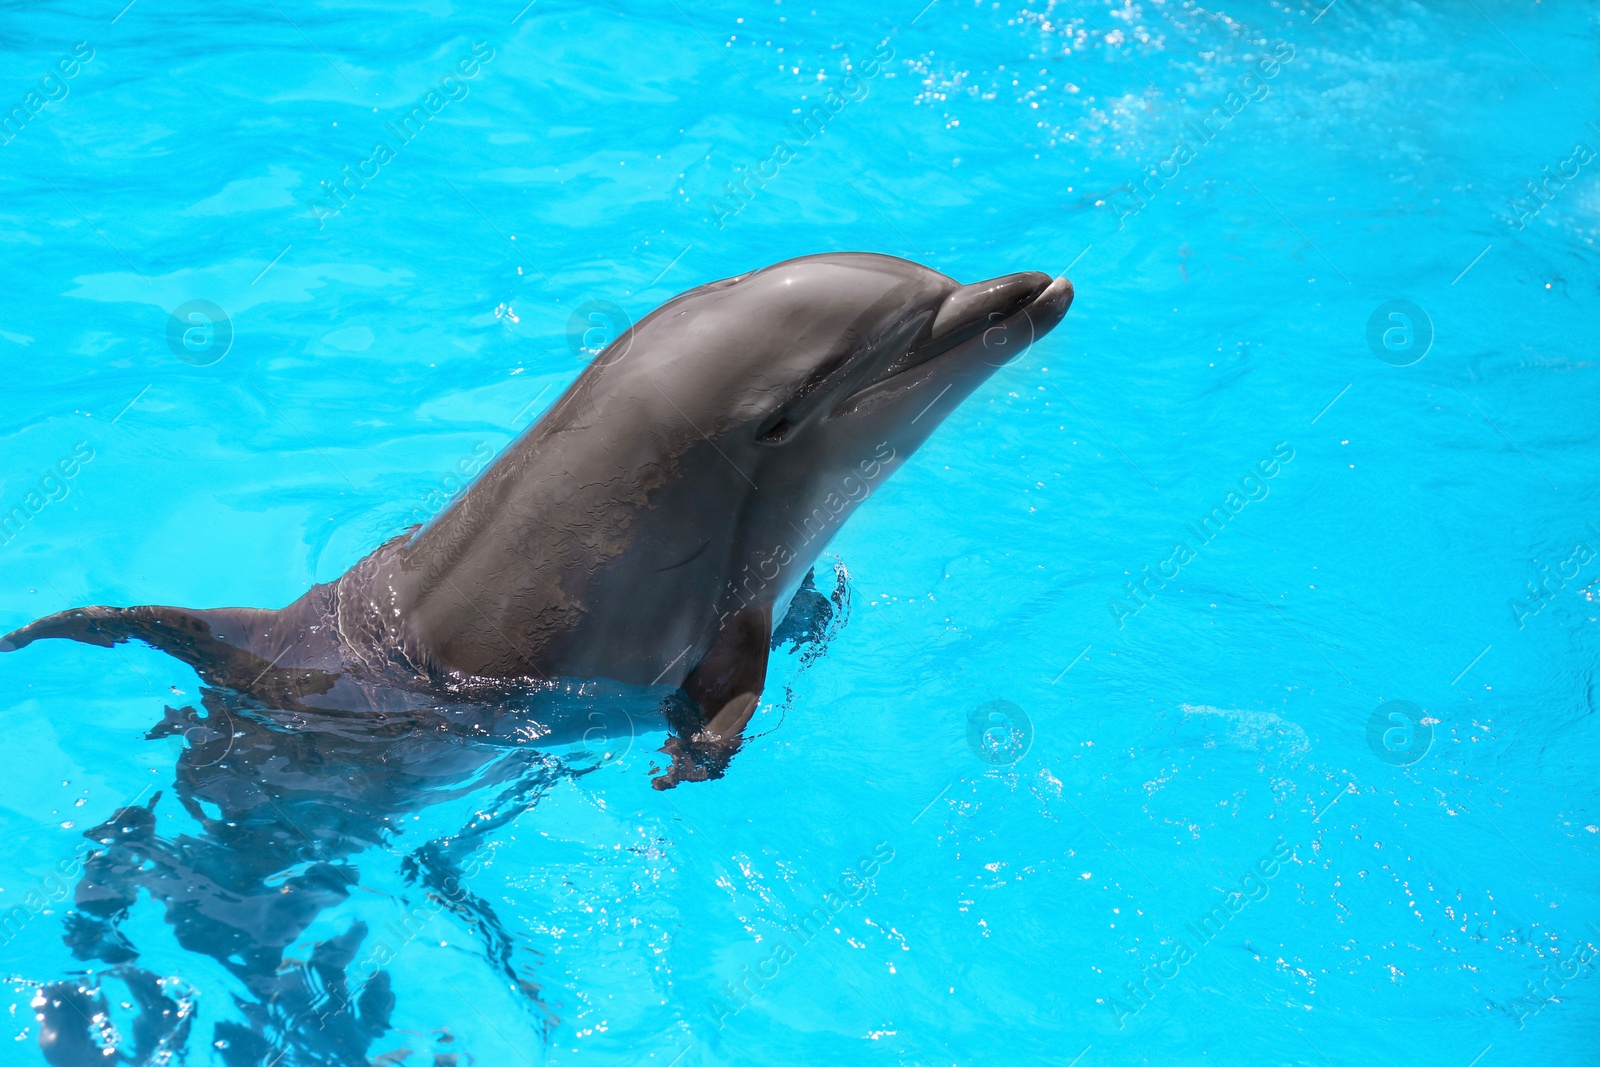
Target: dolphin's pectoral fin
723, 691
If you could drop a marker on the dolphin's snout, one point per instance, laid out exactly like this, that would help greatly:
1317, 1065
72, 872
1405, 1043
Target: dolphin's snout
1052, 304
985, 303
1000, 317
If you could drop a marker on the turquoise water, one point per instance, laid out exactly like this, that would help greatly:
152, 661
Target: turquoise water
1358, 706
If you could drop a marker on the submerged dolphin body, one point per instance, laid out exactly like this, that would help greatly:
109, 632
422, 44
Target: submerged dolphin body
650, 527
281, 808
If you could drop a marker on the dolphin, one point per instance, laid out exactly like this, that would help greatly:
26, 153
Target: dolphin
653, 526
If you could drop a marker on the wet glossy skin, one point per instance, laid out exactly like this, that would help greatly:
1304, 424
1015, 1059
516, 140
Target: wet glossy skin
699, 467
650, 528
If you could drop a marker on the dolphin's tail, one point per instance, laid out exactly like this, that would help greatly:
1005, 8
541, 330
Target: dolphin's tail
216, 643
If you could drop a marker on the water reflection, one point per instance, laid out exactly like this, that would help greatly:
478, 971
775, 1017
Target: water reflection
292, 795
292, 782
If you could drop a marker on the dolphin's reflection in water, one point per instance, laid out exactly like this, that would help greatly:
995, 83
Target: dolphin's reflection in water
287, 794
291, 780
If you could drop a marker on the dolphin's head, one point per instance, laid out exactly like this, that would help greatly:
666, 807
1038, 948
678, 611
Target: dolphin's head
825, 352
813, 379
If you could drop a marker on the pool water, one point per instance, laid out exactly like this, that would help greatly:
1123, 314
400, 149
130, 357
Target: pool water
1216, 686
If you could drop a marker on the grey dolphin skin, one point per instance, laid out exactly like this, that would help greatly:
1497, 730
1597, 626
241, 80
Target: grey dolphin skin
651, 527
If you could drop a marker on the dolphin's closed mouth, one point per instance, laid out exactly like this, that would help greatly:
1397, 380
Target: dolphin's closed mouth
977, 309
972, 306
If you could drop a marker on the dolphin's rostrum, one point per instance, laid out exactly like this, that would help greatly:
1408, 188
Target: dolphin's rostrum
654, 524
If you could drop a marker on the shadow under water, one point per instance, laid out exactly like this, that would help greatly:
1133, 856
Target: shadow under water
290, 781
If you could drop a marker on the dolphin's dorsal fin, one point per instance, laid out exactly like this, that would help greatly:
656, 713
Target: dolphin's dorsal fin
216, 643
